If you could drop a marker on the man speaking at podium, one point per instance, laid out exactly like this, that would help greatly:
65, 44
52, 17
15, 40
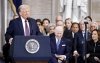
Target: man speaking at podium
21, 26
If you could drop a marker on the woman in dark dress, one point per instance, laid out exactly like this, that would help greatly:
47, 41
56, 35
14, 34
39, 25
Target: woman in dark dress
93, 48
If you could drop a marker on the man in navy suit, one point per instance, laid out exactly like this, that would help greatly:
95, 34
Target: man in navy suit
70, 34
22, 26
60, 47
80, 43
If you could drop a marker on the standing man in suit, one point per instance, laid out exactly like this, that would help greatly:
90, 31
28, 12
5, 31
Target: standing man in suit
21, 26
60, 47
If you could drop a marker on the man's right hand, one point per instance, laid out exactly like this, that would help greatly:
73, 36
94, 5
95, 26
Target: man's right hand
75, 53
87, 55
59, 61
60, 57
10, 40
97, 59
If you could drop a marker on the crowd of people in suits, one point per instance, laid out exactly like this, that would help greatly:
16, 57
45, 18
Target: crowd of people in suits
78, 36
70, 41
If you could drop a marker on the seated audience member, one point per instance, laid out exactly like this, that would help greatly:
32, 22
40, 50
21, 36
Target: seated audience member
39, 23
60, 47
80, 42
68, 23
60, 23
45, 24
89, 20
51, 29
74, 29
71, 35
93, 48
93, 25
59, 18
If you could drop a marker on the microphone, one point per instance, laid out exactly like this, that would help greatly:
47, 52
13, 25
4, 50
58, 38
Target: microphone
85, 22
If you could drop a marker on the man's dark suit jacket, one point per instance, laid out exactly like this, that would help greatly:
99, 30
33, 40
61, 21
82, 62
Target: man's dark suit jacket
80, 41
64, 49
16, 28
80, 45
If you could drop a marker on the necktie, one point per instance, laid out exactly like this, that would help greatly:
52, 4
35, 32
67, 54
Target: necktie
58, 42
83, 36
27, 30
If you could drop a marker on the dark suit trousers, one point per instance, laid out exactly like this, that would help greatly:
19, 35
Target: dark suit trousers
6, 50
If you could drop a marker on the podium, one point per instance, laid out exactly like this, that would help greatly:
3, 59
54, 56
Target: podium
31, 49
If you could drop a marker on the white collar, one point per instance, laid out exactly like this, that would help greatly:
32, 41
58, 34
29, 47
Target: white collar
83, 31
57, 39
23, 20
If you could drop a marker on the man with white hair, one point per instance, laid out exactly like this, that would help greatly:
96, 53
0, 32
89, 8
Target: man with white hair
59, 18
60, 23
21, 26
60, 47
93, 25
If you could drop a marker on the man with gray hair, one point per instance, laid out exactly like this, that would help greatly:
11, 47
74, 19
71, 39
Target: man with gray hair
21, 26
60, 47
93, 25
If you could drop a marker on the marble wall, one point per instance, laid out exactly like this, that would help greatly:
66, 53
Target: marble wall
40, 8
95, 10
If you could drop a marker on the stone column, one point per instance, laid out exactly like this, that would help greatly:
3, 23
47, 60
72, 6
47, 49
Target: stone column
3, 21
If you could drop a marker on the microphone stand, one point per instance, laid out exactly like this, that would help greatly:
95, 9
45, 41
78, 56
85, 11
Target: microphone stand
75, 45
85, 42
